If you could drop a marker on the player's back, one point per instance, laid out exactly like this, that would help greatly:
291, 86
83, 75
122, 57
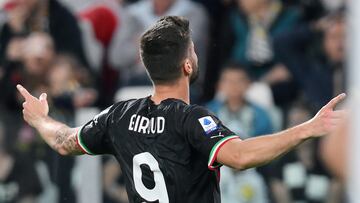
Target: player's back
165, 151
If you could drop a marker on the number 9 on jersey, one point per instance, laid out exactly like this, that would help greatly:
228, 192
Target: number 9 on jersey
159, 192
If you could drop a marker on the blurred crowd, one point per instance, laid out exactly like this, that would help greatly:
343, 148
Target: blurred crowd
265, 65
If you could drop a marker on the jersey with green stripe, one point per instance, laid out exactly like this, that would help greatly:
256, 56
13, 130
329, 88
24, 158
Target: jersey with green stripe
167, 152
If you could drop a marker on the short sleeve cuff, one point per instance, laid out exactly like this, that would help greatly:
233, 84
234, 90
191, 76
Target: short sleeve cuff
81, 144
212, 165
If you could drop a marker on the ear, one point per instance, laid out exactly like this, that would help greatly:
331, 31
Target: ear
187, 67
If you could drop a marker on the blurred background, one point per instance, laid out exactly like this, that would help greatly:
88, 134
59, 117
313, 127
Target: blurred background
266, 65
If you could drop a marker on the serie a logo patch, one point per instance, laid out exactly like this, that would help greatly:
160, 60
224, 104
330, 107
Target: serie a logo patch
208, 124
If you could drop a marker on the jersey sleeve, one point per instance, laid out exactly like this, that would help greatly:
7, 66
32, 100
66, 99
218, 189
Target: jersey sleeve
207, 134
93, 137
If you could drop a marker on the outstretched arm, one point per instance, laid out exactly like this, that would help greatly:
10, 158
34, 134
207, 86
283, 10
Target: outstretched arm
243, 154
57, 135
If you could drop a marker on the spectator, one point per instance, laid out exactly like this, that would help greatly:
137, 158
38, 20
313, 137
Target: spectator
248, 33
243, 117
300, 176
26, 16
70, 85
28, 61
250, 29
38, 55
40, 68
19, 181
317, 68
247, 120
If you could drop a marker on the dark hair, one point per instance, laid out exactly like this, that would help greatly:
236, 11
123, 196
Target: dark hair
164, 47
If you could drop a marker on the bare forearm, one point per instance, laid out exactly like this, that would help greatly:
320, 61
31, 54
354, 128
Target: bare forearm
59, 136
253, 152
261, 150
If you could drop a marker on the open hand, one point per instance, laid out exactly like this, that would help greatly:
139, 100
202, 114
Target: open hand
327, 119
35, 110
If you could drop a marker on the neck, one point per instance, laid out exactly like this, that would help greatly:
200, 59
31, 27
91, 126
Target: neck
261, 11
178, 90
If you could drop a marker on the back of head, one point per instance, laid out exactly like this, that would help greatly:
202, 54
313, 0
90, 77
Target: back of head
164, 47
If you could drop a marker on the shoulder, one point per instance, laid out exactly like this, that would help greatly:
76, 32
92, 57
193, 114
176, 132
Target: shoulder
124, 106
185, 111
194, 108
128, 102
197, 112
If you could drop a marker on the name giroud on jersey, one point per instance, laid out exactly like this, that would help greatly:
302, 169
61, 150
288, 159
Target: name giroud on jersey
146, 125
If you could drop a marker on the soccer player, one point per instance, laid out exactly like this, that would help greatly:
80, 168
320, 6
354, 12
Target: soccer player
169, 150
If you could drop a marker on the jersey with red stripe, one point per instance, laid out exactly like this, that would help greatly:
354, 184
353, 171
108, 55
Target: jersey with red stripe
167, 152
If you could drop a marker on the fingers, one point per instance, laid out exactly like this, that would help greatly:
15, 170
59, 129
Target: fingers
42, 98
336, 118
24, 92
332, 104
340, 114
